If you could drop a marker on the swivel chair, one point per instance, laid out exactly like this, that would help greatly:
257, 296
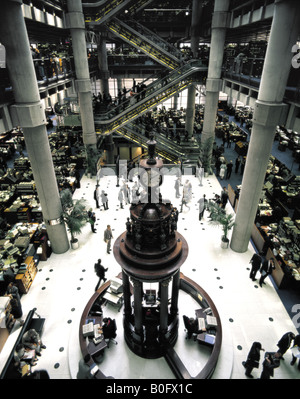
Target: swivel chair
190, 327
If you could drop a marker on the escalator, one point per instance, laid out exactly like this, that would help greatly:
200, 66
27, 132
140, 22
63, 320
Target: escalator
155, 93
166, 149
147, 41
96, 13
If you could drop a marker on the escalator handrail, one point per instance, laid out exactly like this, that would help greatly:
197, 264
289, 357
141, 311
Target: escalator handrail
179, 74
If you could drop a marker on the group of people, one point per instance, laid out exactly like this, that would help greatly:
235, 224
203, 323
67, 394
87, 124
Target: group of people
272, 359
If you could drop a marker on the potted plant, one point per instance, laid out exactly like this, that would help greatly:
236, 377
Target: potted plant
219, 217
206, 155
74, 215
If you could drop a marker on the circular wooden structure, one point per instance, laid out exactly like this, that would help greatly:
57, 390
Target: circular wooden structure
175, 363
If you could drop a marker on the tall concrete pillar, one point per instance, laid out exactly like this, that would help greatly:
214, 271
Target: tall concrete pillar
213, 82
103, 65
190, 110
195, 35
75, 21
28, 113
267, 115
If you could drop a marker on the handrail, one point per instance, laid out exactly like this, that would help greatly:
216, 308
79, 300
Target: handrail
155, 93
143, 43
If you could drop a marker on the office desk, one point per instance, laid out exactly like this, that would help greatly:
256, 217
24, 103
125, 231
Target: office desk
96, 349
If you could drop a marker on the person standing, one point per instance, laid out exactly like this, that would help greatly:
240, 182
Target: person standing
229, 170
255, 265
265, 270
223, 169
121, 198
97, 195
252, 358
176, 186
107, 238
100, 272
202, 206
92, 220
269, 364
224, 197
296, 344
237, 164
243, 163
285, 343
104, 200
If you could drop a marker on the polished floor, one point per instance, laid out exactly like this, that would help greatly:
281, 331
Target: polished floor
65, 283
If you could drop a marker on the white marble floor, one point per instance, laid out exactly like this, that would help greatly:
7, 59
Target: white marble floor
65, 283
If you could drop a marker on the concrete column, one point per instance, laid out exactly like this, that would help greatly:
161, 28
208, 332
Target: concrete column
213, 82
190, 110
119, 85
195, 35
175, 101
197, 9
75, 21
103, 66
292, 114
267, 115
28, 113
109, 146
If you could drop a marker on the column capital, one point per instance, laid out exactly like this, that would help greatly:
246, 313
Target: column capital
75, 20
83, 85
220, 20
268, 114
28, 115
213, 84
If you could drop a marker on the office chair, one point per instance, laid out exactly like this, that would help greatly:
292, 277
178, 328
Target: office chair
190, 328
109, 331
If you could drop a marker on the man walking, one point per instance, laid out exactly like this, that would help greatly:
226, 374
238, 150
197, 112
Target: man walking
266, 269
107, 238
100, 272
255, 266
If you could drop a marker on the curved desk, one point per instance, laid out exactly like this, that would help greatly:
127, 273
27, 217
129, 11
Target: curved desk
201, 297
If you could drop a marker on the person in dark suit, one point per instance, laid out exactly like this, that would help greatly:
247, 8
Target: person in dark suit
252, 358
285, 343
92, 219
255, 265
224, 197
265, 270
100, 272
296, 343
176, 186
237, 164
109, 328
229, 170
270, 363
96, 196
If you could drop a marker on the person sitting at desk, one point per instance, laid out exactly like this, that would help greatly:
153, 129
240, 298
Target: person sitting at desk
109, 328
31, 339
191, 325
